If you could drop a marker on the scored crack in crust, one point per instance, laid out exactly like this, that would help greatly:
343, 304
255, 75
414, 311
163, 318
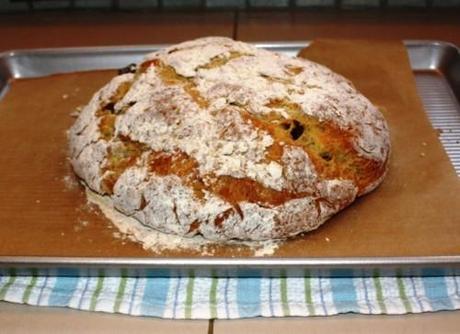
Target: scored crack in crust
219, 138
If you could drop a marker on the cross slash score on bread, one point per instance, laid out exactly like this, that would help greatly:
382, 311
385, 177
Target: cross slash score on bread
218, 138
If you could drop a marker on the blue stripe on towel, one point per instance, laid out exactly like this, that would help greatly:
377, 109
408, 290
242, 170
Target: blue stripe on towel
248, 296
436, 290
155, 294
344, 293
63, 287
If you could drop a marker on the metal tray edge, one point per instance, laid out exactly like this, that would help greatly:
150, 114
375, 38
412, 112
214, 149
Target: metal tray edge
232, 267
362, 266
140, 47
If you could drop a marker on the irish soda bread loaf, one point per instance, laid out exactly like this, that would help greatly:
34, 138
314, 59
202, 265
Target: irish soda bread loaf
219, 138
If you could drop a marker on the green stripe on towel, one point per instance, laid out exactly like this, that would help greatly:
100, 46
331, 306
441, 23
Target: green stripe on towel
284, 294
379, 291
402, 293
30, 286
213, 297
189, 295
121, 290
97, 291
308, 297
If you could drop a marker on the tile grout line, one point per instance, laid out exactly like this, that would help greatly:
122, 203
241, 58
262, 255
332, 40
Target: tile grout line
236, 18
210, 326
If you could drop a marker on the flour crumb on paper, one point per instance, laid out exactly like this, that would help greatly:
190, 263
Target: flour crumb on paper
70, 182
153, 240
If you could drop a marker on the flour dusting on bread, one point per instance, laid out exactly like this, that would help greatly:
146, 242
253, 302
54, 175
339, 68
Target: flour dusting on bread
218, 139
157, 241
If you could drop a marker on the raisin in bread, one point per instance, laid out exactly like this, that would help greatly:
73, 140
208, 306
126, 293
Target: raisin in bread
219, 138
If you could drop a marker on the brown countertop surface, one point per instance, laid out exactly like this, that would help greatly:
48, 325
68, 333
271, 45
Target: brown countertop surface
443, 26
54, 29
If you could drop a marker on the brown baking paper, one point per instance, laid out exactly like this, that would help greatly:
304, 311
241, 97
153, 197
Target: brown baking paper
415, 211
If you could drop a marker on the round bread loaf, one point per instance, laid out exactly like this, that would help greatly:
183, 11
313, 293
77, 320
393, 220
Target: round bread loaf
219, 138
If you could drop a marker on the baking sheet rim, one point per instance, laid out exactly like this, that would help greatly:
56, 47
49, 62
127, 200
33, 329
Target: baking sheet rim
411, 262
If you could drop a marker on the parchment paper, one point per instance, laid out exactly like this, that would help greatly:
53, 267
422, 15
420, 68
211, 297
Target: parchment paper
43, 211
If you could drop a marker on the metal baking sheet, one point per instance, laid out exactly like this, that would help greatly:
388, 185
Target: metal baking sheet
440, 94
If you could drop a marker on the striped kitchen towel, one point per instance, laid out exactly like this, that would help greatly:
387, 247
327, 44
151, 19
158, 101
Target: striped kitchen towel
229, 298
